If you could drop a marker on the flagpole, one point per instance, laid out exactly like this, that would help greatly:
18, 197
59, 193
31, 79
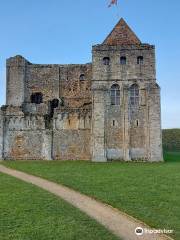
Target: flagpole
115, 3
117, 8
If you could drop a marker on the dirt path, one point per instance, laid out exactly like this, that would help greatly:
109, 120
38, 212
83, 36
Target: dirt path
117, 222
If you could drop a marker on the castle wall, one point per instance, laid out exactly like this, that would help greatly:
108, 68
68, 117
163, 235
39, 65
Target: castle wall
74, 91
31, 132
1, 134
28, 136
16, 72
72, 135
128, 134
44, 79
25, 137
27, 145
64, 112
155, 134
98, 123
114, 134
72, 145
52, 80
117, 127
131, 70
60, 81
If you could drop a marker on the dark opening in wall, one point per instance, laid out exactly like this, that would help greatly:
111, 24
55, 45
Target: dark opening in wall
82, 77
106, 60
140, 60
137, 123
53, 104
123, 60
37, 98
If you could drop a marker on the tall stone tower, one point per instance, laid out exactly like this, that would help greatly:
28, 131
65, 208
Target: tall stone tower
126, 118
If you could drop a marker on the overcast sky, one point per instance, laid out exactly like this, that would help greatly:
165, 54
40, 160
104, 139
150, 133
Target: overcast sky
63, 31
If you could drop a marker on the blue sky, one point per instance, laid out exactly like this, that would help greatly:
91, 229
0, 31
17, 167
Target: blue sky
63, 31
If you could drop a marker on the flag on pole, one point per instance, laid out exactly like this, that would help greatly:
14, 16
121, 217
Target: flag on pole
113, 2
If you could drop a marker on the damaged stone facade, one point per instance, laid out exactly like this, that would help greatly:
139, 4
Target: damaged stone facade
105, 110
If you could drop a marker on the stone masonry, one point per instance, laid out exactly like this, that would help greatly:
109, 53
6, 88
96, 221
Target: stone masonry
105, 110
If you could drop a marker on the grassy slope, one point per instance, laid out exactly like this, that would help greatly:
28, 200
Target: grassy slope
29, 213
150, 192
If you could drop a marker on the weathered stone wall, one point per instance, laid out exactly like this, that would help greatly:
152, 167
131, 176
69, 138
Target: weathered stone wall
25, 136
74, 91
83, 124
72, 134
44, 79
126, 131
155, 133
60, 81
15, 80
52, 80
72, 145
24, 145
131, 70
98, 123
34, 131
28, 136
1, 134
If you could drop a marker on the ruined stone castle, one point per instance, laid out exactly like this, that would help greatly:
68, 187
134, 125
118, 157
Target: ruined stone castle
105, 110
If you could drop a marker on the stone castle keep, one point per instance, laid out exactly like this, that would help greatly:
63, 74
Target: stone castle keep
105, 110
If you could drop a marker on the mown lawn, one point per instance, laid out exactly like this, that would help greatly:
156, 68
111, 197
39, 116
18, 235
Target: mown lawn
147, 191
29, 213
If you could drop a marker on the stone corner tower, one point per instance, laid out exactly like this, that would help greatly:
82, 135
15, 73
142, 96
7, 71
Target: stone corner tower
126, 116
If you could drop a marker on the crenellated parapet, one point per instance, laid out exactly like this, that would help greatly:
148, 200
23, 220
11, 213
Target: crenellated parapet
76, 119
25, 123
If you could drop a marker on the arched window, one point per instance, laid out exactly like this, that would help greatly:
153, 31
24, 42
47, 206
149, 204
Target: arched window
115, 94
82, 77
134, 95
140, 60
106, 60
37, 98
123, 60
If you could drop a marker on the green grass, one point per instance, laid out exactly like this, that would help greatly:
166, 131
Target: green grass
30, 213
147, 191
